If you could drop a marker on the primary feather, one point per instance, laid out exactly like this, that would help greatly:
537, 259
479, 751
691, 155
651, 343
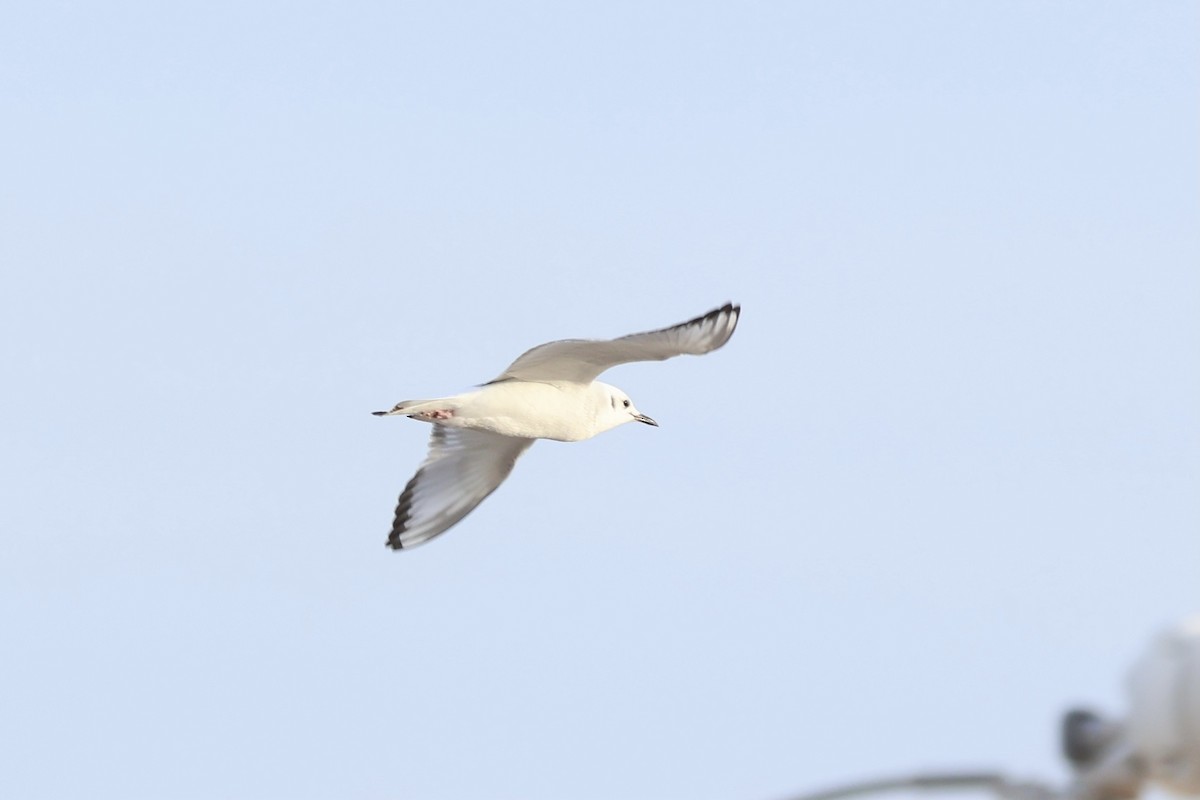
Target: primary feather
582, 360
463, 467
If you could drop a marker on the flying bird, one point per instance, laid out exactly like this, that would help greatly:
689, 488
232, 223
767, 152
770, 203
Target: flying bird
550, 392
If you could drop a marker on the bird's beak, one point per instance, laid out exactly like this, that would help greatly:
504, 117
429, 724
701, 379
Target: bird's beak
645, 419
395, 410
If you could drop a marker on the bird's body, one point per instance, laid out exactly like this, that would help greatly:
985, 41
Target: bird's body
560, 410
550, 392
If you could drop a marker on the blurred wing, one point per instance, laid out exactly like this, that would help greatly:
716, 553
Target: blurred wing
462, 468
583, 360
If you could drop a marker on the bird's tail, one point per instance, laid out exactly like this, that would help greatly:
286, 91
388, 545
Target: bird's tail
434, 409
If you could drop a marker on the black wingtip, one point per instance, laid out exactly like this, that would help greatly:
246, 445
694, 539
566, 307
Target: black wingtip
729, 308
393, 540
732, 311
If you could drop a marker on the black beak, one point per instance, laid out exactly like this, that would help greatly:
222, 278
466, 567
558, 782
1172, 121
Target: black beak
645, 419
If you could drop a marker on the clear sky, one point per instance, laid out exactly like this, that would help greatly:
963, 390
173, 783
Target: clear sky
940, 485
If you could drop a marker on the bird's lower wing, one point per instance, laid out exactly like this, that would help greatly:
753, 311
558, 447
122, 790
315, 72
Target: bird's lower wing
583, 360
463, 467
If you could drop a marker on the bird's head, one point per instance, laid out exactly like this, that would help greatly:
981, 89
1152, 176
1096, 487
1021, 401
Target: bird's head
615, 407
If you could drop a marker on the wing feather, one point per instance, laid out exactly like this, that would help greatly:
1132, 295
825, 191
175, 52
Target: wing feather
582, 360
463, 467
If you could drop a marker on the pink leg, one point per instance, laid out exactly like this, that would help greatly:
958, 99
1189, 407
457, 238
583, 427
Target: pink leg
435, 414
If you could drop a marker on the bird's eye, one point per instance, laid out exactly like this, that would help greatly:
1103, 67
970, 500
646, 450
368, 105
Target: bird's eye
627, 404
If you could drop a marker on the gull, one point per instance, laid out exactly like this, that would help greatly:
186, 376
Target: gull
550, 392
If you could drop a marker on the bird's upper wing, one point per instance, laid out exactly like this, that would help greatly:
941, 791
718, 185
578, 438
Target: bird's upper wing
463, 467
582, 360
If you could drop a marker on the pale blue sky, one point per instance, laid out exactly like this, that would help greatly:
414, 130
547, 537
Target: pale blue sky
941, 484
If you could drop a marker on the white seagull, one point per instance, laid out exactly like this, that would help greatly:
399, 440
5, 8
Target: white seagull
550, 392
